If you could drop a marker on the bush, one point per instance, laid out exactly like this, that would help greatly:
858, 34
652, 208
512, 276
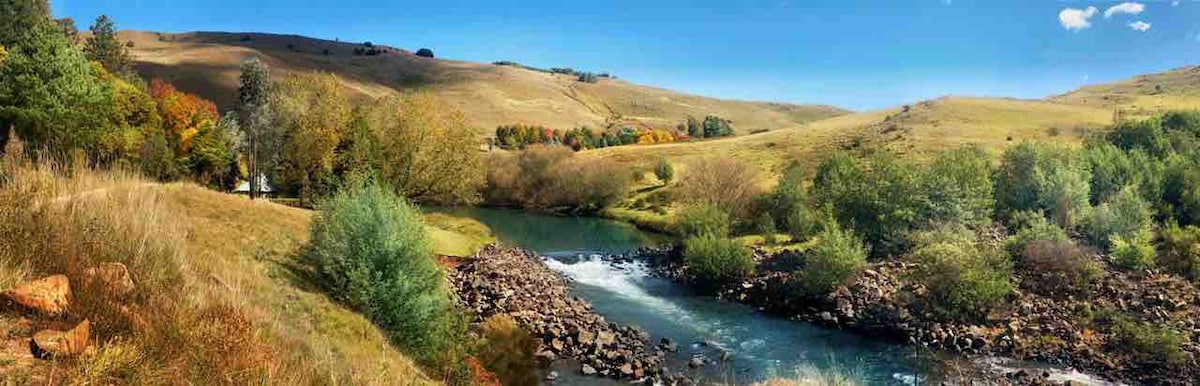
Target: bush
957, 188
588, 77
553, 178
765, 225
702, 219
722, 181
1179, 251
369, 250
713, 260
1147, 341
425, 53
964, 279
508, 351
881, 203
1125, 214
790, 206
1058, 268
1031, 227
1132, 251
1043, 178
664, 171
837, 255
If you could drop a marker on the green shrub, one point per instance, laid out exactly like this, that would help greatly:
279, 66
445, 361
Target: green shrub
1147, 341
1180, 251
789, 204
1132, 251
1031, 227
766, 227
664, 171
964, 279
702, 219
880, 203
713, 259
837, 255
957, 188
1125, 214
369, 250
1044, 178
1058, 268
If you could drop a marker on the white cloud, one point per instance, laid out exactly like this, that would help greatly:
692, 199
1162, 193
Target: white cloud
1129, 8
1074, 19
1174, 3
1139, 26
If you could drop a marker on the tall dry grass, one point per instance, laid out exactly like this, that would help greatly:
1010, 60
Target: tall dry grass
214, 301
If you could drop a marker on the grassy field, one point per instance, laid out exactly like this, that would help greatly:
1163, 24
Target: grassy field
221, 297
489, 95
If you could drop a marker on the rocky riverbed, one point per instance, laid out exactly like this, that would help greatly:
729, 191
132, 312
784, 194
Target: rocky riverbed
502, 280
1063, 331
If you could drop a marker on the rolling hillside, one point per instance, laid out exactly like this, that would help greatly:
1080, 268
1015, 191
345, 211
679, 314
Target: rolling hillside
207, 63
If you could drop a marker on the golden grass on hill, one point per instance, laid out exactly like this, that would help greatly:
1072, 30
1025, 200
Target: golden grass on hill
1142, 95
218, 300
207, 63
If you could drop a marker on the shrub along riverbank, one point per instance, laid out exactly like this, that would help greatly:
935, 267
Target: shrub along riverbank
1080, 256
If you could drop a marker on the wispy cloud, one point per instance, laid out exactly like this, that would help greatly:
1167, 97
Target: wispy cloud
1127, 8
1074, 19
1139, 26
1174, 3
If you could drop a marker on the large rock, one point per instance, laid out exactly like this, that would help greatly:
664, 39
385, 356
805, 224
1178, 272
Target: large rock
113, 278
48, 344
50, 295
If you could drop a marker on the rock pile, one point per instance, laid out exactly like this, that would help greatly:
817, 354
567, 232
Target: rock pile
52, 296
511, 281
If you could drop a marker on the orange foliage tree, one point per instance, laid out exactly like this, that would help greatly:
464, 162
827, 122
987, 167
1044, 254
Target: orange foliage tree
184, 115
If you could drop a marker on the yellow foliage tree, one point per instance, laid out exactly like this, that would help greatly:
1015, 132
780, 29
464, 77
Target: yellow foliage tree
312, 110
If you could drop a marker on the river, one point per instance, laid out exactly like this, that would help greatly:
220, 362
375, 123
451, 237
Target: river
758, 346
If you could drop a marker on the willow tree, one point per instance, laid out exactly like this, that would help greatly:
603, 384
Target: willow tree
422, 147
312, 111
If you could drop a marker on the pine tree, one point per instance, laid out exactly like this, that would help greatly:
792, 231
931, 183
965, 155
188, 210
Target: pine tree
104, 47
17, 18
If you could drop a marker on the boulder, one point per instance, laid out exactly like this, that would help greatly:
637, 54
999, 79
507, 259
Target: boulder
696, 362
114, 278
50, 295
48, 344
627, 370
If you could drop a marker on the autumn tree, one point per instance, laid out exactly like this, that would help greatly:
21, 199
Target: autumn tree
420, 146
104, 47
312, 111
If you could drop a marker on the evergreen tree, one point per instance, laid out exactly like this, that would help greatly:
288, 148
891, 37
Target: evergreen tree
18, 17
104, 47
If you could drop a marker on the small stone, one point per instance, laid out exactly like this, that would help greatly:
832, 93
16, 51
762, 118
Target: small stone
627, 370
588, 370
696, 362
48, 344
553, 375
50, 295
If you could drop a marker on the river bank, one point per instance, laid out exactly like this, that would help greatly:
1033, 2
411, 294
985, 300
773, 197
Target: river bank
1068, 332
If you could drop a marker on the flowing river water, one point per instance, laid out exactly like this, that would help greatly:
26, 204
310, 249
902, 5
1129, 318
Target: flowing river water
758, 346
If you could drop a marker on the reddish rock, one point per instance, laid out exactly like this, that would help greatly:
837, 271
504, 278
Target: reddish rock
58, 344
50, 295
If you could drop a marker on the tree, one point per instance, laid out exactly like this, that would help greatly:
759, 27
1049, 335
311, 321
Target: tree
50, 93
67, 25
425, 53
715, 126
958, 188
1044, 178
18, 18
722, 181
837, 255
694, 129
254, 119
104, 47
312, 111
426, 150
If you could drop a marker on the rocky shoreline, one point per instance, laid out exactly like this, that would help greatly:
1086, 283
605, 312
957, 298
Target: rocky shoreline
503, 280
876, 302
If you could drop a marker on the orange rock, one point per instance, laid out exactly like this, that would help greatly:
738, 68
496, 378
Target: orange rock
113, 277
49, 295
52, 343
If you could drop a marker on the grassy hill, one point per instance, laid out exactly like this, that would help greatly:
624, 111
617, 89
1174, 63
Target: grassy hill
194, 255
207, 63
1175, 89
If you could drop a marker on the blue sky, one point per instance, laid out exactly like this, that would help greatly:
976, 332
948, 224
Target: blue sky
855, 54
